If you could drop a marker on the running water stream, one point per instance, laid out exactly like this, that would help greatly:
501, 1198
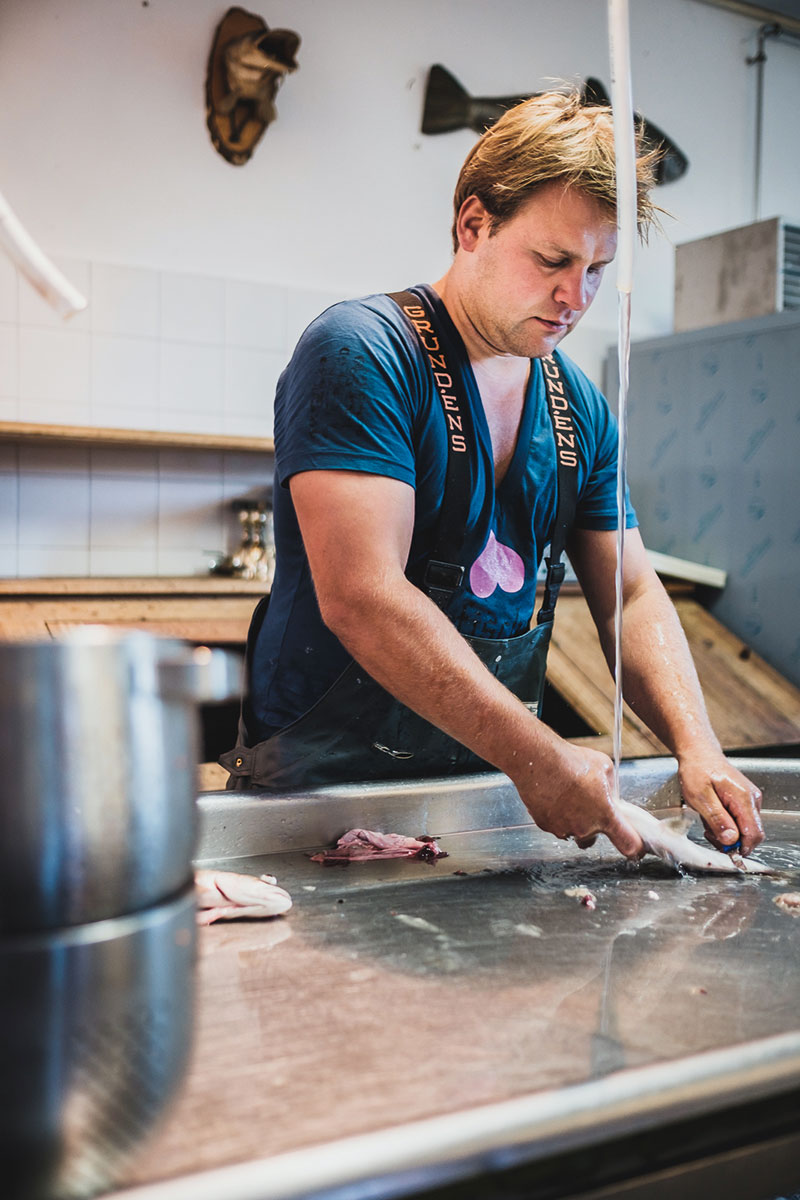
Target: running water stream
623, 358
625, 154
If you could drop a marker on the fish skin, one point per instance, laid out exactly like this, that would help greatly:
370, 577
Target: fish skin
667, 840
227, 895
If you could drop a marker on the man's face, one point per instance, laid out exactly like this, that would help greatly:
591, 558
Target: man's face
528, 284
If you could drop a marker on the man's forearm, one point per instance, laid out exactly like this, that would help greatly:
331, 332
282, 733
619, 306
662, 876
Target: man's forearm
659, 678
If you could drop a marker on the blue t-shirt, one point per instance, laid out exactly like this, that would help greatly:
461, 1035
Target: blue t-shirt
359, 395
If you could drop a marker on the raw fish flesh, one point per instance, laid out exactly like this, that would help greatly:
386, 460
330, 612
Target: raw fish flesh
226, 895
587, 898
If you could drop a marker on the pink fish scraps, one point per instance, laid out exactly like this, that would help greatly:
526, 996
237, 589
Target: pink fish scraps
496, 566
358, 845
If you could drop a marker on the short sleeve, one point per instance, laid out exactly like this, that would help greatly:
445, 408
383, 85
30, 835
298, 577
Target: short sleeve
597, 504
347, 399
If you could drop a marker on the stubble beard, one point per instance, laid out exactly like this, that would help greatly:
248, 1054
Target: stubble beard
532, 342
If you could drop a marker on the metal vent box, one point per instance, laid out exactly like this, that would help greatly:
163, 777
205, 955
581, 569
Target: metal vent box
742, 273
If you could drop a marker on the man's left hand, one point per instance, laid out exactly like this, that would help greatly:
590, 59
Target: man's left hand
729, 804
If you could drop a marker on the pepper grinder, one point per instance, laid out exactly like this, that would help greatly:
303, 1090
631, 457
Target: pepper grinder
254, 558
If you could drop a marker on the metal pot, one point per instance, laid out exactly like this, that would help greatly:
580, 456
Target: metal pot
97, 1023
98, 750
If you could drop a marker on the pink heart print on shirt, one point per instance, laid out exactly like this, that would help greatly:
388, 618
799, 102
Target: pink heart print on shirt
496, 565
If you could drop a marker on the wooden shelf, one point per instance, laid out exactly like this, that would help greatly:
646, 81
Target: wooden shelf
212, 610
89, 435
125, 585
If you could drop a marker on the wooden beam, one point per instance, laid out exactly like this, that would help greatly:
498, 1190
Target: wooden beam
750, 704
681, 568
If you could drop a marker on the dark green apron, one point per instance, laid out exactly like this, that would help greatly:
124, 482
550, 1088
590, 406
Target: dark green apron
357, 731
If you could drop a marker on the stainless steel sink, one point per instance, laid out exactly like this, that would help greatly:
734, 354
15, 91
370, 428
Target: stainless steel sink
626, 1050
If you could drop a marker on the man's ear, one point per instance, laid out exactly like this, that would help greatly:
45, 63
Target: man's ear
472, 218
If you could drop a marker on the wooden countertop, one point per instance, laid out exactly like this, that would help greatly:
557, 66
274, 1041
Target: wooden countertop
212, 609
154, 439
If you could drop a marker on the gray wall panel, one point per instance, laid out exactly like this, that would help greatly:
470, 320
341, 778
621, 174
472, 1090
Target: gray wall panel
713, 454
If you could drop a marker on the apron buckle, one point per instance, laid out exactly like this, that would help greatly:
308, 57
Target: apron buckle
552, 586
443, 576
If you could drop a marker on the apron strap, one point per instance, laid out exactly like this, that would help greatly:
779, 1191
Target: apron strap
444, 572
239, 761
567, 483
445, 569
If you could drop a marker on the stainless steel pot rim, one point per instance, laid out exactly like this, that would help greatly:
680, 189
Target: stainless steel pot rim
93, 933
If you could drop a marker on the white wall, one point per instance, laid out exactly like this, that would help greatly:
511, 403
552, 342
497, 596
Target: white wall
106, 155
107, 160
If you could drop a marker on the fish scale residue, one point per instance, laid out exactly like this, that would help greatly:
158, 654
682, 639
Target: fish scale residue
788, 902
780, 856
554, 875
418, 923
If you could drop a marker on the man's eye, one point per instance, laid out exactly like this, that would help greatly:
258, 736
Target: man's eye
546, 262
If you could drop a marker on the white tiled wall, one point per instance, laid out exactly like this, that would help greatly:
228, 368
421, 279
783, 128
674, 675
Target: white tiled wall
154, 350
107, 511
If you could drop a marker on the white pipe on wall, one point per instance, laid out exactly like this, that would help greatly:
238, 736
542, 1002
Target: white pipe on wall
625, 150
36, 266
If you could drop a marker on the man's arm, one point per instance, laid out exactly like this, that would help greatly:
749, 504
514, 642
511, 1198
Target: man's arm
357, 532
660, 682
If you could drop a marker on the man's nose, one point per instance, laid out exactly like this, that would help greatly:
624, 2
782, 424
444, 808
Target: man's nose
573, 291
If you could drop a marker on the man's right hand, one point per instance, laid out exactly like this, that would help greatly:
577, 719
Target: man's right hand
570, 793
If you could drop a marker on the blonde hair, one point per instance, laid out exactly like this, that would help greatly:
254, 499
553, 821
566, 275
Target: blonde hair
552, 137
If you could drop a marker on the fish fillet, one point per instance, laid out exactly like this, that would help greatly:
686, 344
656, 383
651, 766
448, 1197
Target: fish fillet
227, 895
667, 840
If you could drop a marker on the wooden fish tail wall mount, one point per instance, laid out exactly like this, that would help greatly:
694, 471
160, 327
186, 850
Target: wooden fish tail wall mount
449, 106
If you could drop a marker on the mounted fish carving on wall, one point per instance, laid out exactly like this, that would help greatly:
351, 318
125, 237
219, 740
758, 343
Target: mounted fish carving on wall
449, 106
247, 65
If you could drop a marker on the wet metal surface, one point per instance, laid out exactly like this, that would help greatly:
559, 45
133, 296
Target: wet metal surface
400, 991
664, 965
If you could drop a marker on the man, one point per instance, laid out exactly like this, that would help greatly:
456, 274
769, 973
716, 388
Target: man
428, 447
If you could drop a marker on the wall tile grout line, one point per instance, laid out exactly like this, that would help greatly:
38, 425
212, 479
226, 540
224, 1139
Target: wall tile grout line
132, 356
